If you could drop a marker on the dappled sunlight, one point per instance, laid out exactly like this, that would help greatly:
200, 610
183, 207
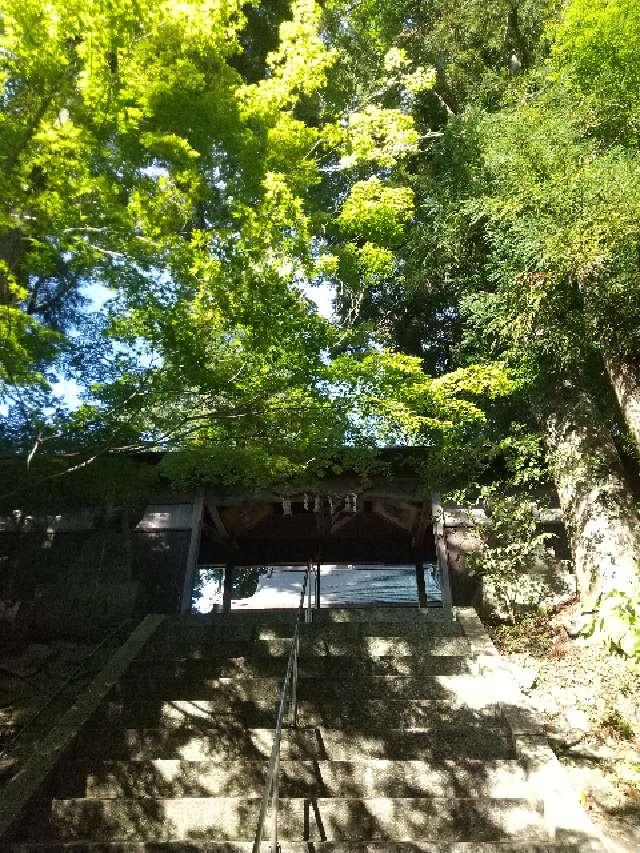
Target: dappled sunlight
344, 287
396, 742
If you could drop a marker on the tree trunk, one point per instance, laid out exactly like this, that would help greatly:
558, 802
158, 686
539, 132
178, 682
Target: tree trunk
12, 250
601, 518
626, 384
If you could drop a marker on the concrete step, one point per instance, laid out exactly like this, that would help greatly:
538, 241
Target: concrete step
227, 740
334, 631
147, 675
227, 818
195, 846
362, 648
362, 779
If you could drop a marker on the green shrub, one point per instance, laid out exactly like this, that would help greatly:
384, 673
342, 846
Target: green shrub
510, 558
619, 623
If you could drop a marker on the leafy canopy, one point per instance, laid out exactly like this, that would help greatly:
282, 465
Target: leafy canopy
195, 159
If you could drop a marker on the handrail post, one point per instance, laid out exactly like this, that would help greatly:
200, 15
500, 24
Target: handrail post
293, 704
275, 804
290, 684
439, 532
308, 614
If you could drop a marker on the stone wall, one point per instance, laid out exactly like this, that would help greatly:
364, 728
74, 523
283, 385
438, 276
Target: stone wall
553, 572
75, 574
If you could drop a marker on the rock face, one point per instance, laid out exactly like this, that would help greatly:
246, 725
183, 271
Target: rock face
600, 514
409, 737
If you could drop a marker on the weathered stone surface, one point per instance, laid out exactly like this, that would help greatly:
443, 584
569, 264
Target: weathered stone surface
565, 818
413, 737
350, 684
336, 631
149, 673
196, 846
461, 703
7, 768
33, 775
234, 741
364, 647
225, 818
28, 662
367, 777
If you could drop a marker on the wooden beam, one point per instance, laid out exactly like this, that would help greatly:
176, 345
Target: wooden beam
381, 509
218, 523
194, 547
322, 521
227, 588
404, 505
437, 513
239, 520
244, 521
420, 584
420, 527
346, 517
406, 490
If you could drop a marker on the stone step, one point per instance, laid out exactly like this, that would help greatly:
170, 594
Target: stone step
335, 631
229, 818
254, 616
227, 740
353, 713
195, 846
402, 615
313, 687
147, 675
228, 694
362, 779
259, 708
362, 648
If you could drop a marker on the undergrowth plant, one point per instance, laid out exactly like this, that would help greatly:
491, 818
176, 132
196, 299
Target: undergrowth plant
619, 623
509, 561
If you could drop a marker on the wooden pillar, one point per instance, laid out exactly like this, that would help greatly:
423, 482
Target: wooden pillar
420, 584
194, 548
318, 585
227, 588
441, 549
417, 543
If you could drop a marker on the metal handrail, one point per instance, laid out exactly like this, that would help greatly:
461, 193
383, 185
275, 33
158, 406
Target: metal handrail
272, 784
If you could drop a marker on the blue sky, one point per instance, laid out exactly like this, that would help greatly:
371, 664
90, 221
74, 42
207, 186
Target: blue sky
323, 296
70, 390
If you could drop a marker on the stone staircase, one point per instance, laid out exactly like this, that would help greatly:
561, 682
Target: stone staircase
410, 737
